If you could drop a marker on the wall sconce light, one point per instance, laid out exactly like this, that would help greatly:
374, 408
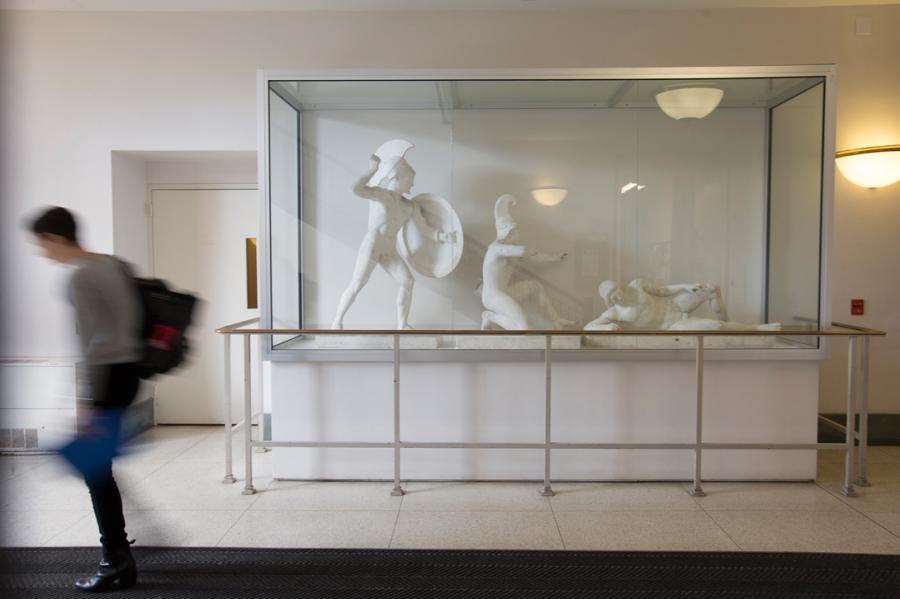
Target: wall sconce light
689, 102
549, 196
872, 167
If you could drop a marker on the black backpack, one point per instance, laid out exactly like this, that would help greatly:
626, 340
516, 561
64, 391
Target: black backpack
167, 316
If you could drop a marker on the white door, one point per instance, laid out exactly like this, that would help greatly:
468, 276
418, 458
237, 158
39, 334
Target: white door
199, 245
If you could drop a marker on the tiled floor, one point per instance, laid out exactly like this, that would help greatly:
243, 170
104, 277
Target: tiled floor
173, 493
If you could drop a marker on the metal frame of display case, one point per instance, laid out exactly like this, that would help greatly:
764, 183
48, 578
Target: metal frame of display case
858, 376
265, 77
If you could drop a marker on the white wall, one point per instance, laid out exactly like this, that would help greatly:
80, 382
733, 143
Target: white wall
77, 86
129, 207
200, 168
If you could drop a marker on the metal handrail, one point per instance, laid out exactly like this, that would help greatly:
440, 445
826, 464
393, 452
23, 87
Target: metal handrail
857, 336
841, 330
238, 325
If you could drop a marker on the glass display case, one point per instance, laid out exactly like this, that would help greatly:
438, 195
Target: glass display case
532, 200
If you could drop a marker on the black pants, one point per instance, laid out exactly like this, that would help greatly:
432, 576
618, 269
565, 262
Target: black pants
113, 388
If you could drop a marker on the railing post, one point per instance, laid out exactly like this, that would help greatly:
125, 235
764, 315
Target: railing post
848, 490
261, 403
697, 489
248, 422
229, 422
861, 479
397, 490
548, 347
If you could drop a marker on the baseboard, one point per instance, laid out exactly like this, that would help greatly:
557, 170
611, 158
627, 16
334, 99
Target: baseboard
884, 429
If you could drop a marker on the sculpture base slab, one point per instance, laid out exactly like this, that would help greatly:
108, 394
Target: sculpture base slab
375, 342
676, 342
516, 342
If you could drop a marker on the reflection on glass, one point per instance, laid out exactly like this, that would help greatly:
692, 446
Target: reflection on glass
287, 293
549, 196
795, 188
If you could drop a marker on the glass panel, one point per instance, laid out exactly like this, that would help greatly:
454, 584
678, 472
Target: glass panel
284, 196
795, 211
620, 213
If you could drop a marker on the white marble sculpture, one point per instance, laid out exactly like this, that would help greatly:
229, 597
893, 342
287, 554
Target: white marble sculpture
641, 305
503, 299
395, 220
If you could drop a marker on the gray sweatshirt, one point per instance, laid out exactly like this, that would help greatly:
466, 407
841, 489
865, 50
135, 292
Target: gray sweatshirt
107, 311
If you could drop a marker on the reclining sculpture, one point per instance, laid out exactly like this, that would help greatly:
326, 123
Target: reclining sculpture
642, 305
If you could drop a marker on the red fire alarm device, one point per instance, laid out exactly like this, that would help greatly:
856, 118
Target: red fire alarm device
857, 307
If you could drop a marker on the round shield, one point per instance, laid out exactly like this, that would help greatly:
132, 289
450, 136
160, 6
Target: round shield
419, 245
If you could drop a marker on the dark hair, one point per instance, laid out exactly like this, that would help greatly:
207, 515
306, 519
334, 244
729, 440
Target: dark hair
56, 221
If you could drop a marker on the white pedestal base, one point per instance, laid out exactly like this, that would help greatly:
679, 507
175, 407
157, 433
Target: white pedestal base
593, 402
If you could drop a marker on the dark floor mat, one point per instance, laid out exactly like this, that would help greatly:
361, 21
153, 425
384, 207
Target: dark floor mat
415, 574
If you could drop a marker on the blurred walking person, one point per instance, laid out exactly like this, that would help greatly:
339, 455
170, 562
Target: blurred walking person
109, 314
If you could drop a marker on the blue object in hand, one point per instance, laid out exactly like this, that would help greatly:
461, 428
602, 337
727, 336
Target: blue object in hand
91, 452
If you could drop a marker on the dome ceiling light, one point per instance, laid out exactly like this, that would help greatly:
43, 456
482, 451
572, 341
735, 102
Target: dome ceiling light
689, 102
549, 196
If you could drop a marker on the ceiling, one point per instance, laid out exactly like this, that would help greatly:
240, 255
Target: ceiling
407, 5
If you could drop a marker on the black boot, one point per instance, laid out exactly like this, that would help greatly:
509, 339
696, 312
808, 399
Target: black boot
116, 570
